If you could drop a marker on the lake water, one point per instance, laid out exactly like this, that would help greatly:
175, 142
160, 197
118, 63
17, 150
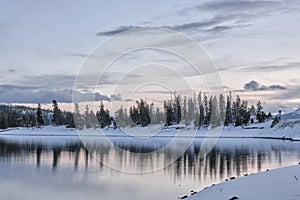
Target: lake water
126, 170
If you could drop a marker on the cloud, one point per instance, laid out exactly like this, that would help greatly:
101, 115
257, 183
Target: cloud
116, 30
28, 94
269, 66
255, 86
204, 25
277, 87
116, 97
224, 15
128, 100
237, 5
59, 54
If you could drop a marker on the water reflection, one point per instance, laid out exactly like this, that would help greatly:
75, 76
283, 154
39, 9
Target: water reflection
228, 158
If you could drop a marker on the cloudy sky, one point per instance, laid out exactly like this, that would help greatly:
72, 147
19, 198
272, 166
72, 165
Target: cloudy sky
254, 44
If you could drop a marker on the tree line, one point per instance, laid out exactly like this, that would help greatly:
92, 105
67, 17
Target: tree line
200, 110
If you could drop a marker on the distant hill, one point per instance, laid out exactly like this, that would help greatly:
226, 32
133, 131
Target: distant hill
292, 115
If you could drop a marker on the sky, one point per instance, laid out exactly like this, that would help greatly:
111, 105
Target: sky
254, 45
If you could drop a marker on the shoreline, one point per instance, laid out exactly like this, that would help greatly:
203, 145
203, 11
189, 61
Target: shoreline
123, 136
283, 132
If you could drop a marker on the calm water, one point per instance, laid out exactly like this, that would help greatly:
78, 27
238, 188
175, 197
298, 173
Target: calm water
32, 169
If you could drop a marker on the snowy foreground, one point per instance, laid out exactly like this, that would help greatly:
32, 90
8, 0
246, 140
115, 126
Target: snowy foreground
270, 185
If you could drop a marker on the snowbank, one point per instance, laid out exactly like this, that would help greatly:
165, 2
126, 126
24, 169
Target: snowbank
270, 185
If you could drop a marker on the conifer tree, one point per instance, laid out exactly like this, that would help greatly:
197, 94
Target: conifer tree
184, 109
206, 120
77, 117
56, 113
39, 115
4, 123
228, 113
222, 109
103, 116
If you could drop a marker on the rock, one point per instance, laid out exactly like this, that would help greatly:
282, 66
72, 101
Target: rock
233, 198
184, 197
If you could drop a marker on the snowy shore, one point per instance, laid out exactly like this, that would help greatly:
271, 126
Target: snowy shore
275, 184
286, 129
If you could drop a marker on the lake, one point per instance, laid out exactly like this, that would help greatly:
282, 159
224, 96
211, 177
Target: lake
125, 169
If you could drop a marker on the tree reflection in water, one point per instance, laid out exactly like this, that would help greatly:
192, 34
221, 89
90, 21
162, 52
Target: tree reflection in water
225, 160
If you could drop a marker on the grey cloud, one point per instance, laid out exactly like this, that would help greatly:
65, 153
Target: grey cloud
116, 97
50, 81
277, 87
128, 100
44, 88
116, 31
226, 15
269, 66
292, 93
236, 5
66, 81
27, 94
178, 27
59, 54
255, 86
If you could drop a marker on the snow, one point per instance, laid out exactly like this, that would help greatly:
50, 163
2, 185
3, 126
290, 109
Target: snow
286, 129
276, 184
292, 115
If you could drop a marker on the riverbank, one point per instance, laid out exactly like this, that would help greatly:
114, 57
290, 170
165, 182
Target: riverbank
286, 130
275, 184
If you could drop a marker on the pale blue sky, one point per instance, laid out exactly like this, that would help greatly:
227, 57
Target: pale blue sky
45, 42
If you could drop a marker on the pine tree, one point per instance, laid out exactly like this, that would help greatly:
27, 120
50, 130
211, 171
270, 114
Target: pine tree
244, 113
103, 116
191, 110
206, 121
4, 123
93, 119
151, 113
215, 119
184, 109
201, 115
88, 121
260, 115
178, 109
228, 113
77, 117
169, 111
39, 115
69, 120
210, 109
56, 113
222, 109
120, 118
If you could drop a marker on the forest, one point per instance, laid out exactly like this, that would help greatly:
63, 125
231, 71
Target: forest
200, 110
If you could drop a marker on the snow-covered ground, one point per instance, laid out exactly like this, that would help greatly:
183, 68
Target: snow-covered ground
276, 184
286, 129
